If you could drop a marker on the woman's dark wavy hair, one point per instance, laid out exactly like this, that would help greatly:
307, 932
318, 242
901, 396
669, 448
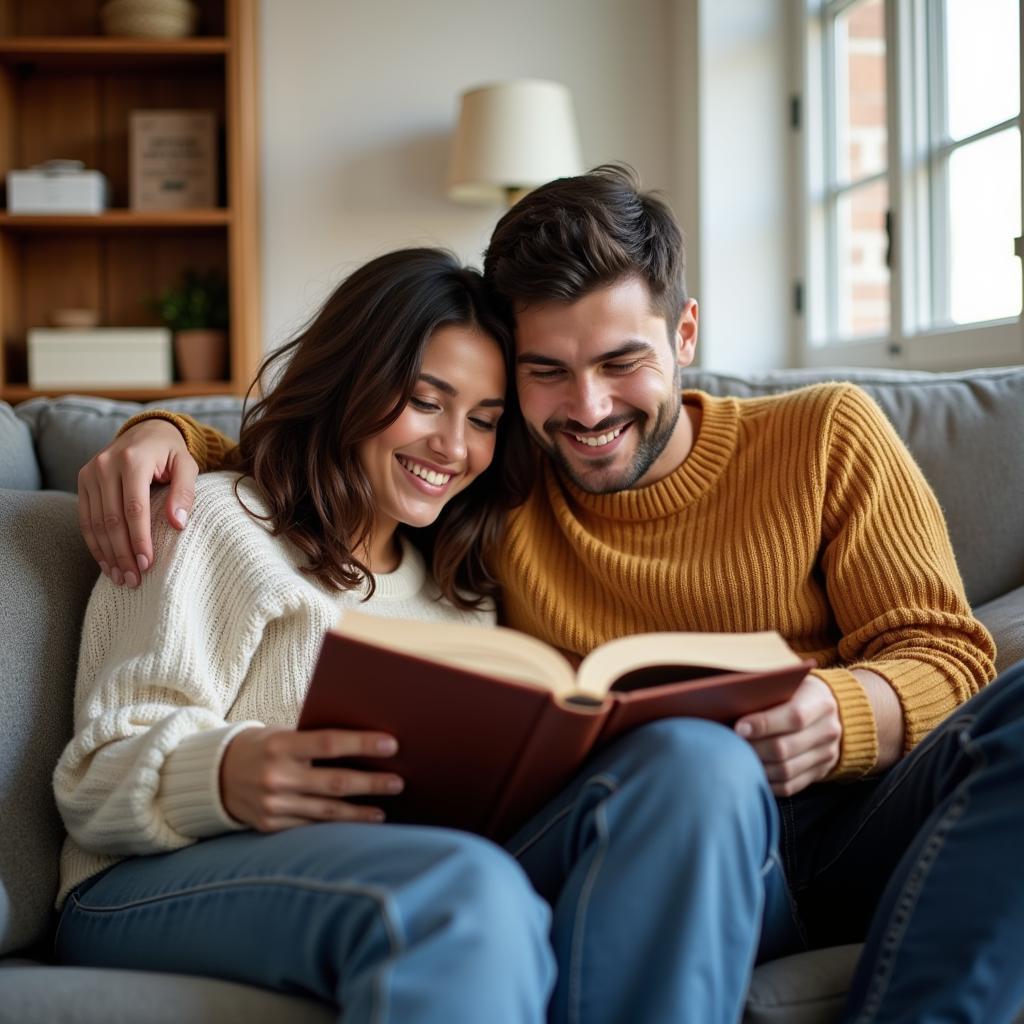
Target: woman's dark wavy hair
347, 376
575, 235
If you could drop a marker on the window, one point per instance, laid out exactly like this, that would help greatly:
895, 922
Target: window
911, 131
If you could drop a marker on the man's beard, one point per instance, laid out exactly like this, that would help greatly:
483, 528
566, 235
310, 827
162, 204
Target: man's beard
651, 444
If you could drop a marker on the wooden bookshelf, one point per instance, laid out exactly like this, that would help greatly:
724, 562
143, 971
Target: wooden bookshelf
66, 91
20, 392
105, 53
117, 220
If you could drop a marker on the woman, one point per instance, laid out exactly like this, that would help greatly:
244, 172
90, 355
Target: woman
385, 417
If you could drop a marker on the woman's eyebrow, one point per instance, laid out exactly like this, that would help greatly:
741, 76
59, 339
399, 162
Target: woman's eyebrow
443, 385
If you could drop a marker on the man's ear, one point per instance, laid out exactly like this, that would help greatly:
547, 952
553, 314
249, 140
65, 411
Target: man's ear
685, 336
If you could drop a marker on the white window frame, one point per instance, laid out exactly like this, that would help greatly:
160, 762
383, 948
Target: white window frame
916, 202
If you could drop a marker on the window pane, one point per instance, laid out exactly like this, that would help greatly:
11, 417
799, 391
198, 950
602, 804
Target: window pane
860, 91
984, 219
863, 299
983, 64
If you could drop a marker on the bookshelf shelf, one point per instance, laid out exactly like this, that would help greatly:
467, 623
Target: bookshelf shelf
67, 92
103, 54
117, 220
22, 392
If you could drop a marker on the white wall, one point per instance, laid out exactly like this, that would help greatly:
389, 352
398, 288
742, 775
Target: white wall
731, 165
745, 238
359, 98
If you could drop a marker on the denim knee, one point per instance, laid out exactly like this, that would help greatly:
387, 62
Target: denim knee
488, 895
503, 923
701, 771
703, 757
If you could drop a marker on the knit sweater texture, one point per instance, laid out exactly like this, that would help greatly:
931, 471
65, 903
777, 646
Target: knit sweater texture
222, 634
802, 513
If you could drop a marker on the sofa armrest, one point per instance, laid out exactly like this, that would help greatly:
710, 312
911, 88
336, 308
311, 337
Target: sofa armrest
1004, 619
19, 470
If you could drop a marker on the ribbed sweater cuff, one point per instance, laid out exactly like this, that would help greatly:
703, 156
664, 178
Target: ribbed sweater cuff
923, 692
189, 796
195, 437
858, 752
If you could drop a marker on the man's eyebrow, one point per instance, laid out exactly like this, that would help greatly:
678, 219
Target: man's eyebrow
536, 357
627, 348
443, 385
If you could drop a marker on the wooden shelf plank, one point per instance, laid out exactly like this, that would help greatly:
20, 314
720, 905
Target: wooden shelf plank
14, 393
104, 53
117, 220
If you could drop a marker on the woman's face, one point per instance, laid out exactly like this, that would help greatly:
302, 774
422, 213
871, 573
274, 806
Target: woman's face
444, 438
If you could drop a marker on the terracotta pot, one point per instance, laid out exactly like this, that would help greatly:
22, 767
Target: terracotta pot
201, 354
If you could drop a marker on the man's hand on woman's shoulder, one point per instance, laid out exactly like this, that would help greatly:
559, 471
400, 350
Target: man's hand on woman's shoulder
113, 496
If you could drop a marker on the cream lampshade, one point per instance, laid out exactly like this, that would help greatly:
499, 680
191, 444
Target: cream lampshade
512, 137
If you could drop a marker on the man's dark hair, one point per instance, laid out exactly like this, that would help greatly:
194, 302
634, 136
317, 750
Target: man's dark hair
574, 235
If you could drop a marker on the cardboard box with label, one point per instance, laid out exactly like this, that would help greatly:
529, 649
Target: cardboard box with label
173, 159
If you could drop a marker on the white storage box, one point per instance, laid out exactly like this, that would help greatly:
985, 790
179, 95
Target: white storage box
56, 188
102, 357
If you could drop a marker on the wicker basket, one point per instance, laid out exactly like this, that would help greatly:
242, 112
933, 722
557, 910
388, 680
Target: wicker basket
150, 19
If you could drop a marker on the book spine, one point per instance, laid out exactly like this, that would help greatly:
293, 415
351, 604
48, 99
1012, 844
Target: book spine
557, 747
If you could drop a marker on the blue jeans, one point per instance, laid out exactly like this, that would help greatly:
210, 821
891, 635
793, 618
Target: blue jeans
666, 864
393, 923
925, 863
403, 924
654, 862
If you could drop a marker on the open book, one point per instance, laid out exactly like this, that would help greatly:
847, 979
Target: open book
492, 723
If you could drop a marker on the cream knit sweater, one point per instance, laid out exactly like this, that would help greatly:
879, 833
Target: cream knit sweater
221, 635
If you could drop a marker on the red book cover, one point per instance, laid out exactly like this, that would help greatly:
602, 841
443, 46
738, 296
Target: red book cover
483, 753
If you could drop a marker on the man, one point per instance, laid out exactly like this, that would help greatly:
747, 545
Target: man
896, 795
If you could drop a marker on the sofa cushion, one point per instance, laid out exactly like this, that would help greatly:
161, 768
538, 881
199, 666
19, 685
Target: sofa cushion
46, 575
70, 430
964, 430
807, 988
18, 467
77, 995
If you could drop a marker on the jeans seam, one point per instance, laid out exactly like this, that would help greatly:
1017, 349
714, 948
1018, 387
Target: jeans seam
794, 914
769, 864
380, 898
962, 723
372, 892
889, 946
56, 931
789, 832
576, 957
606, 780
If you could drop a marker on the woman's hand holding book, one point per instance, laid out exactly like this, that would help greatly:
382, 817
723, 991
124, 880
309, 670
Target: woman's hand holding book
269, 781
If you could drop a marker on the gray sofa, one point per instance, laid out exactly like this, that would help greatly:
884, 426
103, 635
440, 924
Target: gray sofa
964, 429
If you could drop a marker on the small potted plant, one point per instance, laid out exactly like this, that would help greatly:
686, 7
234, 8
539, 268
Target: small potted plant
197, 312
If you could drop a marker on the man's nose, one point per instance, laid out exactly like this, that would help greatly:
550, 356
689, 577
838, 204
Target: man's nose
590, 402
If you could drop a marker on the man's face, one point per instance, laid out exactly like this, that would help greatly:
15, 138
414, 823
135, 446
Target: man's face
598, 385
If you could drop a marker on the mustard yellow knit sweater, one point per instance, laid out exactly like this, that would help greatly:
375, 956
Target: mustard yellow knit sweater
802, 513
